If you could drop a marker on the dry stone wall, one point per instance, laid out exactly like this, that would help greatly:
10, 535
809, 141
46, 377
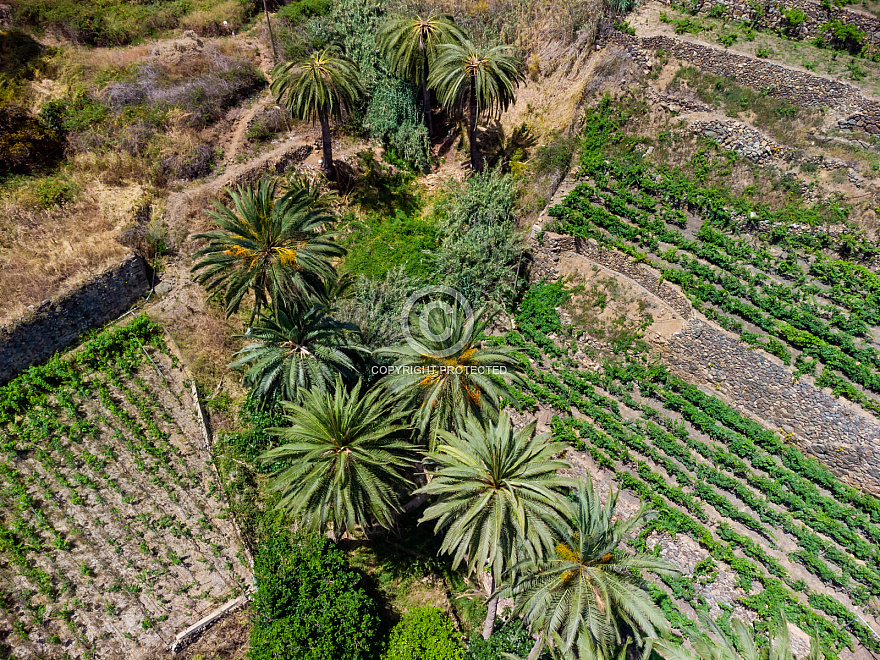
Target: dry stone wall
797, 87
771, 15
844, 438
55, 324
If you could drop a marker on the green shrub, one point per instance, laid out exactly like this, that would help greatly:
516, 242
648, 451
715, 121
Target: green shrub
794, 17
299, 11
108, 23
480, 246
309, 605
727, 38
762, 52
51, 191
843, 35
26, 144
625, 27
511, 638
395, 118
424, 634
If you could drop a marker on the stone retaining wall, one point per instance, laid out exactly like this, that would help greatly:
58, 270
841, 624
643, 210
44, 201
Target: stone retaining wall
771, 15
278, 165
797, 87
842, 436
57, 323
546, 256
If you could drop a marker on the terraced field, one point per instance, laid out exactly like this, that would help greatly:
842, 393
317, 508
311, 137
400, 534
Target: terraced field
773, 528
114, 534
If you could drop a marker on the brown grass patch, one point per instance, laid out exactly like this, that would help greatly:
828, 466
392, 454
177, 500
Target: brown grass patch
45, 252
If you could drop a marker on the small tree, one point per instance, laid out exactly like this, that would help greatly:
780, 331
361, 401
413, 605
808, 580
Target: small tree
485, 79
499, 498
589, 594
411, 45
319, 88
273, 247
343, 458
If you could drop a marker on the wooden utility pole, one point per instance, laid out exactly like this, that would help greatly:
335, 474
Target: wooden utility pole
271, 38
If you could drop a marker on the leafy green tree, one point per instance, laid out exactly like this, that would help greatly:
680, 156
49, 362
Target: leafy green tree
499, 498
319, 88
273, 247
749, 645
295, 348
343, 458
309, 605
411, 44
589, 597
445, 374
483, 78
425, 633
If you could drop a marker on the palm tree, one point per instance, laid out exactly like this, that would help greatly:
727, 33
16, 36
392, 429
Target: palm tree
445, 374
275, 248
486, 78
499, 498
344, 457
748, 646
319, 88
589, 596
297, 347
411, 44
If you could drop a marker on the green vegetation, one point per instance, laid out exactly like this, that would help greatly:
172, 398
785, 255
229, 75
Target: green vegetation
566, 598
424, 634
308, 603
296, 348
499, 498
445, 374
101, 435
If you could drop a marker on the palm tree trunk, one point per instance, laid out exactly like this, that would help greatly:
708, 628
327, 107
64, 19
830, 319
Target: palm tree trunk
476, 160
426, 99
489, 625
327, 144
536, 649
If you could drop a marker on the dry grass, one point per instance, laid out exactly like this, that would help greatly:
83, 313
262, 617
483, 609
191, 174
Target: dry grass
46, 252
527, 24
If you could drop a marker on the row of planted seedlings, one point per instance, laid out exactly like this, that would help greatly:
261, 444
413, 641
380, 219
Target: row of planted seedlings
633, 206
99, 523
663, 461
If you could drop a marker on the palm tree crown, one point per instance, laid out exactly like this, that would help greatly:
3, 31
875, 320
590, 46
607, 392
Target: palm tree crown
344, 456
487, 79
446, 375
411, 44
589, 594
274, 248
499, 497
319, 88
295, 348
